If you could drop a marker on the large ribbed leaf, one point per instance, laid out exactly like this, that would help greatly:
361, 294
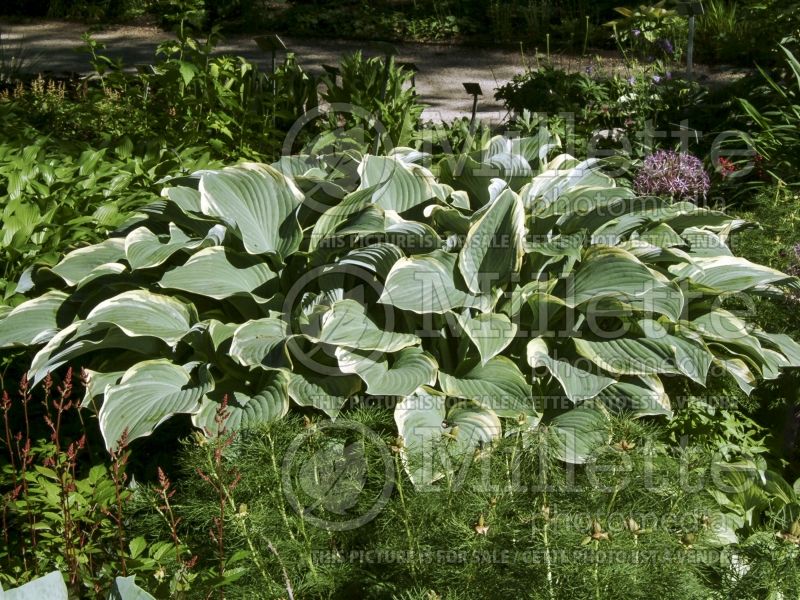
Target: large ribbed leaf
426, 284
333, 217
142, 313
643, 396
347, 324
397, 185
579, 431
218, 273
491, 333
258, 201
410, 368
493, 249
255, 340
148, 394
498, 385
262, 400
431, 434
32, 322
615, 273
729, 273
578, 384
324, 392
376, 258
144, 249
79, 263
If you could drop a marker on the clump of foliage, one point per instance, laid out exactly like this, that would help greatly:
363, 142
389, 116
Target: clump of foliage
330, 282
678, 175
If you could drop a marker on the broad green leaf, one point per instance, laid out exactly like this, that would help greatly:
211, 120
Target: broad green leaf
125, 588
32, 322
578, 384
262, 400
96, 383
260, 202
410, 368
347, 324
50, 586
493, 249
729, 273
498, 385
579, 431
324, 392
255, 340
426, 284
81, 262
148, 394
218, 273
398, 185
491, 333
642, 397
142, 313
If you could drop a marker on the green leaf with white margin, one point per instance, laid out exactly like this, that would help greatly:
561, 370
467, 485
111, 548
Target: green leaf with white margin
498, 385
148, 394
49, 587
740, 372
643, 396
260, 202
347, 324
142, 313
578, 384
426, 284
613, 272
262, 400
376, 258
333, 217
327, 393
96, 383
494, 246
579, 431
399, 186
410, 369
218, 273
491, 333
729, 273
255, 340
431, 434
81, 262
125, 588
144, 249
32, 322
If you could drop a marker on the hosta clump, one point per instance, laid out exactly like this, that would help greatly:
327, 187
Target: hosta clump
678, 175
508, 293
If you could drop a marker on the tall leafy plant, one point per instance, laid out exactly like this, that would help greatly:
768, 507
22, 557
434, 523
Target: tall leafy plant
508, 294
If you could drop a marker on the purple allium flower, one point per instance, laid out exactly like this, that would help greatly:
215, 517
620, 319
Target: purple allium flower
669, 173
666, 46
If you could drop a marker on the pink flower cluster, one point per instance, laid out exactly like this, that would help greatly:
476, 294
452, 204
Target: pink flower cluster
676, 174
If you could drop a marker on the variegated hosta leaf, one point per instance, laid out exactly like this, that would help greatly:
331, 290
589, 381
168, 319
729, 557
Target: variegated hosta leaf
142, 313
729, 274
427, 284
322, 391
144, 249
329, 221
148, 394
580, 431
347, 324
498, 385
260, 202
33, 322
410, 368
491, 333
96, 383
578, 384
399, 186
612, 272
641, 396
433, 437
79, 263
251, 403
218, 273
255, 340
493, 249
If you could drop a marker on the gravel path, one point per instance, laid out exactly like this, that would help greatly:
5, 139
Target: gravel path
50, 46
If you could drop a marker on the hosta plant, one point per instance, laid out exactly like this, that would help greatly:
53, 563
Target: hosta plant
509, 294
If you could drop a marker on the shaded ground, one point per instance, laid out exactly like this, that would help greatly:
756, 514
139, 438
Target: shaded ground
50, 46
